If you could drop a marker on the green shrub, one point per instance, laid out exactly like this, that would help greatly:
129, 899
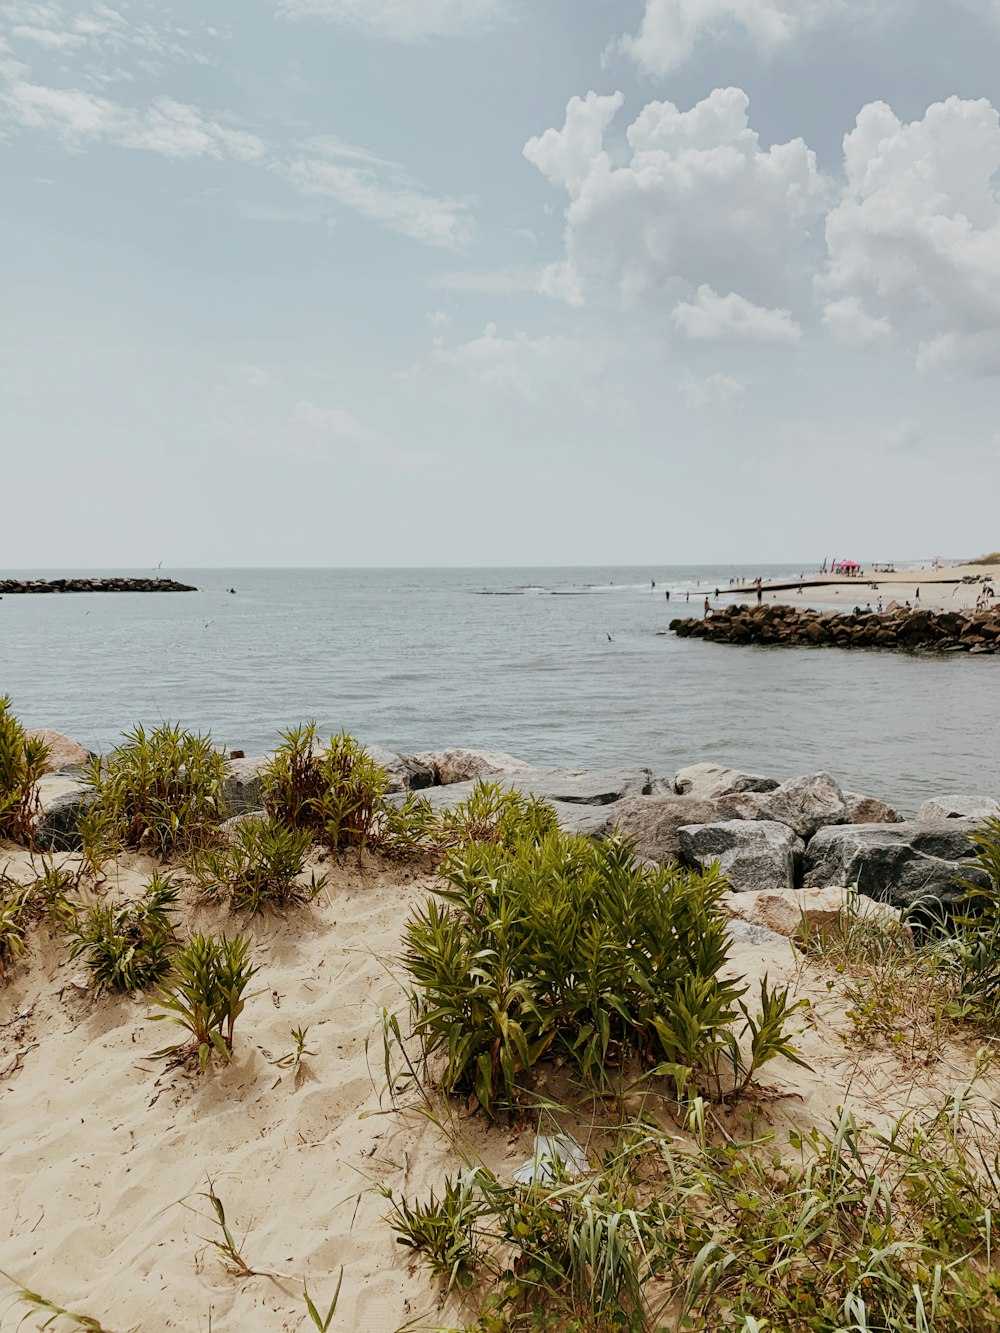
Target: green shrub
127, 948
260, 868
491, 814
336, 793
973, 950
205, 994
849, 1233
22, 763
14, 918
159, 792
567, 947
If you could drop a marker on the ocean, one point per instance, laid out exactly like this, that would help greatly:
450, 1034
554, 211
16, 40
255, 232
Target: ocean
562, 667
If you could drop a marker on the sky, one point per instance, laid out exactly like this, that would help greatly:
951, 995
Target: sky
498, 282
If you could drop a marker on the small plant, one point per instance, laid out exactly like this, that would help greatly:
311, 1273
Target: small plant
336, 793
293, 1060
260, 868
159, 792
14, 917
22, 763
205, 994
54, 1313
323, 1321
444, 1230
491, 814
128, 948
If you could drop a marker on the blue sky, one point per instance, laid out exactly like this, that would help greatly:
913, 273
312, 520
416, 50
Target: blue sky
332, 282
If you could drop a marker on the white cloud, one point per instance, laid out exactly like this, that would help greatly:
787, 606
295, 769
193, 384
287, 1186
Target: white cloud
377, 190
386, 198
696, 200
851, 325
715, 388
514, 363
403, 20
734, 318
671, 29
915, 239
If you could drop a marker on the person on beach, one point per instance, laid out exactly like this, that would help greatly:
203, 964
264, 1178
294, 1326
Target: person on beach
707, 607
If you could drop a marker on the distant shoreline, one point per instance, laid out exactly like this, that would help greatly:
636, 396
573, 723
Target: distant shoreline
22, 587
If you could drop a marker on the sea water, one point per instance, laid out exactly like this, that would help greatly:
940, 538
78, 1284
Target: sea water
562, 667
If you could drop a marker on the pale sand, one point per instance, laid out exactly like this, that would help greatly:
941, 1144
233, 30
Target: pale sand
936, 592
99, 1144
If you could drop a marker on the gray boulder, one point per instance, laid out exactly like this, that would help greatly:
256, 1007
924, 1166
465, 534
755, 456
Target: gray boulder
63, 802
706, 782
241, 788
869, 810
805, 804
560, 788
956, 807
406, 772
899, 864
752, 855
653, 822
451, 766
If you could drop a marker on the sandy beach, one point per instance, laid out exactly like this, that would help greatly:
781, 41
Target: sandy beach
937, 589
105, 1149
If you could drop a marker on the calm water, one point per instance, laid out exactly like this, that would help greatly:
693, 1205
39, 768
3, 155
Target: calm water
516, 660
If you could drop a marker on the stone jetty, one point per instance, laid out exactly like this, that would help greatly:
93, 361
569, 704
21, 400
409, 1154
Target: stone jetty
11, 587
901, 628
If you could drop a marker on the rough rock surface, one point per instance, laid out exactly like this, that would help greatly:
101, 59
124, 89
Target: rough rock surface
561, 787
792, 912
957, 807
450, 766
406, 771
805, 804
706, 782
241, 789
753, 855
63, 751
653, 822
869, 810
63, 800
899, 864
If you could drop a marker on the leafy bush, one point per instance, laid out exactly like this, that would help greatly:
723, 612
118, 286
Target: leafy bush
22, 763
336, 793
159, 791
974, 952
491, 814
851, 1233
14, 919
205, 994
565, 946
127, 948
260, 867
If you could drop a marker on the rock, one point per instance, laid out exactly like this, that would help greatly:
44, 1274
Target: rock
406, 771
63, 752
901, 864
745, 932
241, 787
63, 801
591, 821
560, 787
706, 782
869, 810
752, 855
799, 911
653, 822
805, 804
957, 807
450, 766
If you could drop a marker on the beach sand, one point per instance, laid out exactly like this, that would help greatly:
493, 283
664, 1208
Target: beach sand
104, 1149
937, 588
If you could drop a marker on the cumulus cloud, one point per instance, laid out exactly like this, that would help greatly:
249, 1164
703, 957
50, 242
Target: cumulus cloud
403, 20
510, 362
694, 200
713, 317
671, 29
715, 388
850, 324
914, 243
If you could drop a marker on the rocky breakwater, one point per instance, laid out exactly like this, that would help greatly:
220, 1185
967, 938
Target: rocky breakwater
805, 840
898, 627
12, 587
